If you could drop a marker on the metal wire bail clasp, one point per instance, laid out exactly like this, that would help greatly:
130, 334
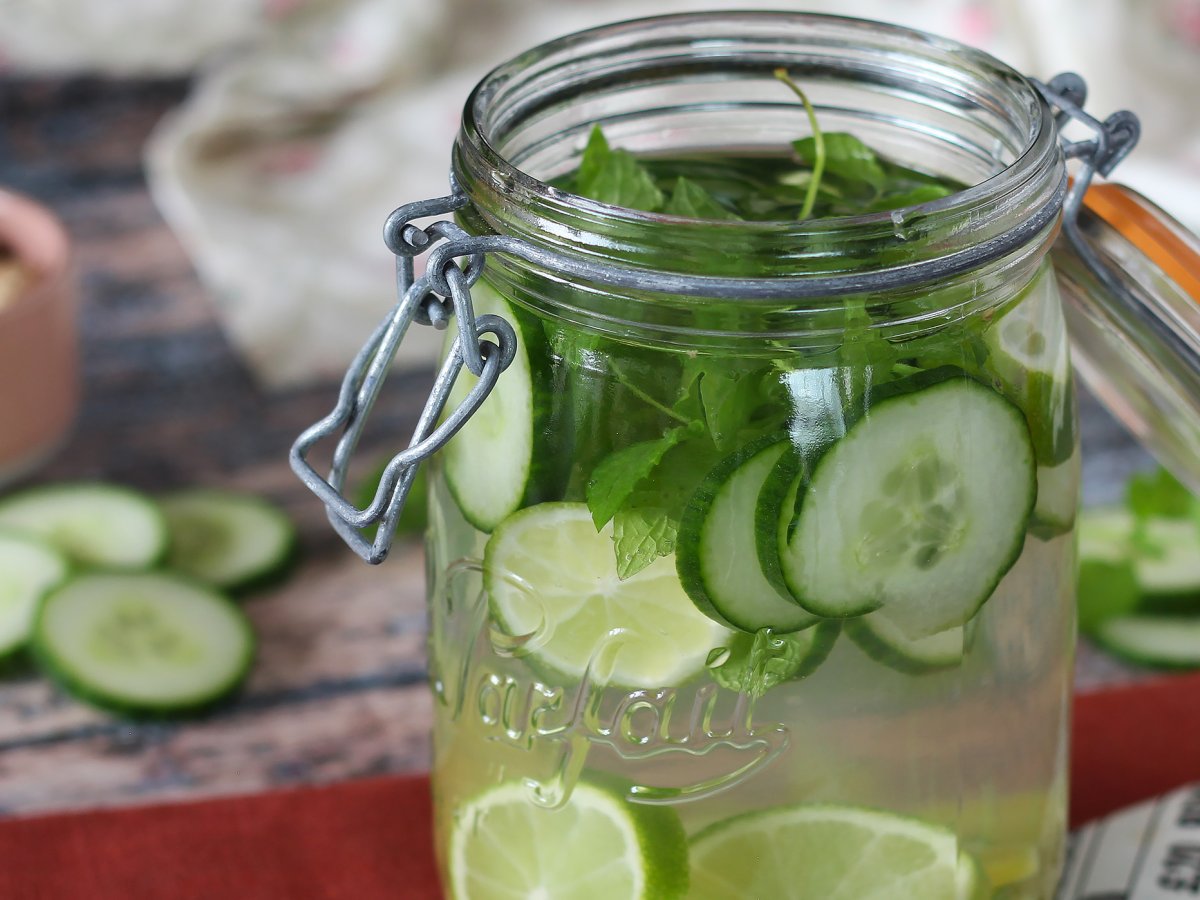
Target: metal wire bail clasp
443, 291
1110, 142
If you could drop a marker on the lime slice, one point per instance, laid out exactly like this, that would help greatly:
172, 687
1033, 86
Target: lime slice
817, 852
595, 847
1010, 865
552, 578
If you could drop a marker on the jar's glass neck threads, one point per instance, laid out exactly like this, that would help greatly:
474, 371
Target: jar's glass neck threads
680, 84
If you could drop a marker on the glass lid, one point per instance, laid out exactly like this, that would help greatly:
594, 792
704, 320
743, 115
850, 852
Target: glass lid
1130, 277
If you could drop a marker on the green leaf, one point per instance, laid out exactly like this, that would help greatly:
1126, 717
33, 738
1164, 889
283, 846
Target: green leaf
595, 157
758, 662
922, 194
732, 401
846, 157
691, 200
1158, 493
615, 478
1105, 589
647, 524
641, 534
620, 180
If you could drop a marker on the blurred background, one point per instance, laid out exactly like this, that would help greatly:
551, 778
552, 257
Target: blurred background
223, 171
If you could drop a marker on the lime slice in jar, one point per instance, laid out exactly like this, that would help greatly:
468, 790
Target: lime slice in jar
819, 852
597, 845
552, 580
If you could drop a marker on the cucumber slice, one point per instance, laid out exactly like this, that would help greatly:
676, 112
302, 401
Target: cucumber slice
1057, 499
1161, 641
100, 525
28, 569
552, 581
231, 541
1169, 579
1028, 350
715, 551
490, 463
142, 643
919, 510
753, 664
882, 640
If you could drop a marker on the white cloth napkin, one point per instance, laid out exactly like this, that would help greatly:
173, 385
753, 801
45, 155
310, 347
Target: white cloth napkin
314, 118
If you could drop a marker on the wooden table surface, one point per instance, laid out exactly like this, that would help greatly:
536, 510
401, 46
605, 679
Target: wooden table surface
338, 690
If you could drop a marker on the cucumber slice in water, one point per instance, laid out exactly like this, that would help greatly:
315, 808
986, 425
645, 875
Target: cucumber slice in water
490, 463
919, 510
715, 551
882, 640
28, 569
1169, 577
142, 643
228, 540
1028, 350
1160, 641
551, 579
100, 525
1057, 499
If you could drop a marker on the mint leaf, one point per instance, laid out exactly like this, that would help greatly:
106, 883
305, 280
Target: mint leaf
1105, 589
734, 403
617, 178
595, 157
846, 157
615, 478
923, 194
641, 534
758, 662
1158, 494
691, 200
646, 526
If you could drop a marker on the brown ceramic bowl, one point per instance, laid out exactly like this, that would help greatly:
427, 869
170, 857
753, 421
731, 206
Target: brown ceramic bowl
39, 359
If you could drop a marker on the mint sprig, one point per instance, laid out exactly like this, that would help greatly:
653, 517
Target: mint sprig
818, 145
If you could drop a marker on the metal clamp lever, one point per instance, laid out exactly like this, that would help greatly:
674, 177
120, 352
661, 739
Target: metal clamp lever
439, 293
1111, 142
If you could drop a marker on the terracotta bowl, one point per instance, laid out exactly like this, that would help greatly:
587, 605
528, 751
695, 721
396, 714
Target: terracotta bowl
39, 357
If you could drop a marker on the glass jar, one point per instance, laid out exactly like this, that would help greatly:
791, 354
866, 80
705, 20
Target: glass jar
752, 574
697, 683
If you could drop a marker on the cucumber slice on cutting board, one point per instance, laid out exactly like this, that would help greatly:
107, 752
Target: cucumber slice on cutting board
142, 643
920, 509
1168, 574
491, 465
1161, 641
28, 569
100, 525
226, 539
882, 640
716, 557
1028, 350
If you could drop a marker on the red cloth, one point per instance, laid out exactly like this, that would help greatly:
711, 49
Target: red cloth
370, 840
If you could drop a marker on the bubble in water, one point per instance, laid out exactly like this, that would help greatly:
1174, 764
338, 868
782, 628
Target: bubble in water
717, 657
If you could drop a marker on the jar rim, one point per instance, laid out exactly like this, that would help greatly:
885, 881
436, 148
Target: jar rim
1026, 192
